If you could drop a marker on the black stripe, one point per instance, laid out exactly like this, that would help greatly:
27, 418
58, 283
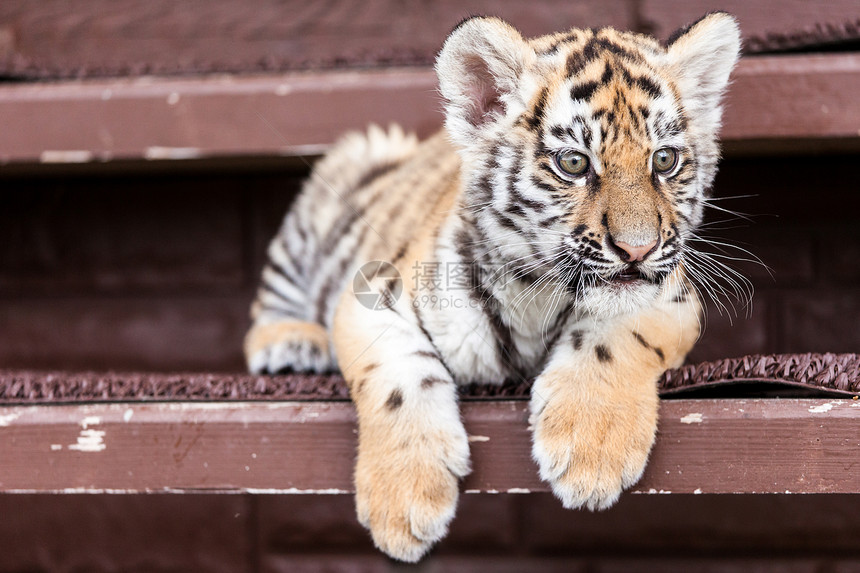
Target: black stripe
535, 119
516, 209
558, 325
543, 186
505, 221
395, 400
648, 86
568, 37
284, 272
549, 221
264, 287
342, 224
583, 92
586, 136
577, 61
489, 305
536, 206
646, 344
420, 321
337, 276
607, 74
559, 131
603, 353
427, 354
268, 286
430, 381
375, 173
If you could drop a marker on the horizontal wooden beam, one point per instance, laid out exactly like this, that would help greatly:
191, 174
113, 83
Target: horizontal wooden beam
703, 446
785, 98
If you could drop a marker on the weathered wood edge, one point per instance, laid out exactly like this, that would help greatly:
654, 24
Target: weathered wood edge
703, 446
773, 99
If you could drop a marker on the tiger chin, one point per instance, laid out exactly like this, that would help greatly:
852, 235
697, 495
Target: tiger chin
563, 190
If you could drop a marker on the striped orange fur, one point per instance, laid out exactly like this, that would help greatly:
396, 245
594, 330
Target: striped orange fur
544, 233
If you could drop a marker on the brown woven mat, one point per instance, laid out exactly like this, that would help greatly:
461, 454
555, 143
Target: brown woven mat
831, 374
813, 37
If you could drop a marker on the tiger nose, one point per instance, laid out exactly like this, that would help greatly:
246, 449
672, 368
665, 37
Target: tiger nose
630, 253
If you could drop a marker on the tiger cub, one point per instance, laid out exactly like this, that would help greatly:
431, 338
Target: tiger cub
541, 234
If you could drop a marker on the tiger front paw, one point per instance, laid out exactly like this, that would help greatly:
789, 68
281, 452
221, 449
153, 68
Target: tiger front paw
408, 497
590, 455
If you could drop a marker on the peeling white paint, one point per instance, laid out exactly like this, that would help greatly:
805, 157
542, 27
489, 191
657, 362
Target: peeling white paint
233, 491
519, 490
479, 438
56, 447
89, 441
157, 152
173, 98
90, 421
126, 417
294, 490
697, 491
823, 408
7, 419
472, 491
692, 418
66, 156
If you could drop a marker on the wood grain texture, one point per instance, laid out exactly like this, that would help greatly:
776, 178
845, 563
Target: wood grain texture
703, 446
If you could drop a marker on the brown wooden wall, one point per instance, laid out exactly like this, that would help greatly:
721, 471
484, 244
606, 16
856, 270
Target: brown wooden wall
156, 271
504, 533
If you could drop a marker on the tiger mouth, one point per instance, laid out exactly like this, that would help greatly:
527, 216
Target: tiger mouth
628, 275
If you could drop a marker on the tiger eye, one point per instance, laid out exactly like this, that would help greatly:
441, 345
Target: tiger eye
664, 159
572, 163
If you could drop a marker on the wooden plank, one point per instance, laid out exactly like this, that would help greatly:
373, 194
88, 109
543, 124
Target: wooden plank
169, 119
703, 446
62, 38
796, 98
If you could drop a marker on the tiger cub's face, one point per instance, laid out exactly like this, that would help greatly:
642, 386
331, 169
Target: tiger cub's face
587, 155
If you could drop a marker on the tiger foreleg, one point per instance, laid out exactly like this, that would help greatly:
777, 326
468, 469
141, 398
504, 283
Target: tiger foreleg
412, 446
594, 407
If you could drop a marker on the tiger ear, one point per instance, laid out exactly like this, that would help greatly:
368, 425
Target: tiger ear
702, 57
479, 68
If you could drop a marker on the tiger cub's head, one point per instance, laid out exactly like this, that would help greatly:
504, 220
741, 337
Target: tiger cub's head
587, 155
